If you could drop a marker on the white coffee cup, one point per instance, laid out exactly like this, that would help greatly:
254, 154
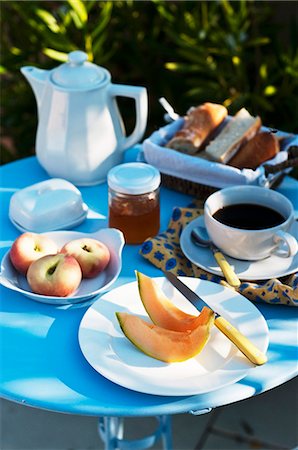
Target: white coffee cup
251, 244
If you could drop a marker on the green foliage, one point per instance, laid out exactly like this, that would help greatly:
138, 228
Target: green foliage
237, 53
231, 52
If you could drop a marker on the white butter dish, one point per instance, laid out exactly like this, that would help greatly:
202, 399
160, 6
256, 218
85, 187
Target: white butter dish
51, 205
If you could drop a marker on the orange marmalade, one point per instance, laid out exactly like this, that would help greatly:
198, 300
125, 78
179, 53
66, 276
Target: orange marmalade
134, 201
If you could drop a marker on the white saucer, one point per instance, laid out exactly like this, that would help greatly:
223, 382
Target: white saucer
271, 267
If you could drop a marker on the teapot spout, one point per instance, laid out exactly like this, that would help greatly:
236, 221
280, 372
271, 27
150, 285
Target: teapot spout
37, 80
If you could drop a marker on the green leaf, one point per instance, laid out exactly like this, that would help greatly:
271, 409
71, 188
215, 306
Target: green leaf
49, 20
236, 60
270, 90
76, 20
189, 20
172, 66
67, 18
88, 46
263, 71
90, 4
292, 72
54, 54
262, 40
16, 51
104, 20
165, 13
227, 7
80, 10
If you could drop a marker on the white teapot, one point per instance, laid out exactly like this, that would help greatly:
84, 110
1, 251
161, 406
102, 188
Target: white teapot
80, 133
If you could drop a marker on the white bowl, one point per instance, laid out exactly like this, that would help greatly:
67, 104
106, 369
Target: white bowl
112, 238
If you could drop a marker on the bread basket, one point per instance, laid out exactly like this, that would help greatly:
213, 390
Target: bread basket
200, 177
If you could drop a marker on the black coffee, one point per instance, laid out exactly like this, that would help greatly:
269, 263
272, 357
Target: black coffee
248, 216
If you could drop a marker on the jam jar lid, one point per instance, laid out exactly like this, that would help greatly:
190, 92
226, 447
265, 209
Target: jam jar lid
134, 178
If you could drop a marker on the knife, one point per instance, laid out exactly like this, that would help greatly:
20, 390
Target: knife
241, 342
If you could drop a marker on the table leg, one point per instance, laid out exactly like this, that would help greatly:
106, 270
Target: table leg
111, 431
166, 433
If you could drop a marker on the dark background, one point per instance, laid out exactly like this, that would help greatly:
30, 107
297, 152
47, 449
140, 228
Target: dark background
239, 53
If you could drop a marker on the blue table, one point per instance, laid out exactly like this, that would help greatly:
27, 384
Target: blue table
43, 366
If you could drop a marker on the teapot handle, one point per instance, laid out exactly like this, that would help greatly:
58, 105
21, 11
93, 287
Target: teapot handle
139, 94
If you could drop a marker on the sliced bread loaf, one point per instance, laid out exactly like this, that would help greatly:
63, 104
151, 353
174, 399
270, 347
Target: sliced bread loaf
239, 130
199, 123
262, 147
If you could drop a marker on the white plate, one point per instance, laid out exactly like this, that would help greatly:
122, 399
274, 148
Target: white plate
12, 279
271, 267
220, 363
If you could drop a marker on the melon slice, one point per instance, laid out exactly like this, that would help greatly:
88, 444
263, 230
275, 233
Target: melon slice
166, 345
161, 310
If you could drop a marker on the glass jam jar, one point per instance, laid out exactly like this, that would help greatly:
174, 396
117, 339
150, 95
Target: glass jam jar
134, 201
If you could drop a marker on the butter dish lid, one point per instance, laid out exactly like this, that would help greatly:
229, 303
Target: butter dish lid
50, 205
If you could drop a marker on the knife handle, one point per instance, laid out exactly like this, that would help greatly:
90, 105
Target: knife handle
227, 270
241, 342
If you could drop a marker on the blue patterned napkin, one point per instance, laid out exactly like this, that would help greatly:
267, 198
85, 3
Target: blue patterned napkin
165, 253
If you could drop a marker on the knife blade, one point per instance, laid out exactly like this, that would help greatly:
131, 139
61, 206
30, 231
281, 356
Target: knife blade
233, 334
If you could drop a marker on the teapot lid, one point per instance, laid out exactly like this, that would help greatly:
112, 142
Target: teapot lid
78, 73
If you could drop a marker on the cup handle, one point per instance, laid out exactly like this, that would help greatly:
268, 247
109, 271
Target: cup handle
139, 94
282, 237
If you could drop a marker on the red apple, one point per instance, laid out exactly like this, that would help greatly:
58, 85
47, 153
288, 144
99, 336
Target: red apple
92, 255
58, 275
28, 248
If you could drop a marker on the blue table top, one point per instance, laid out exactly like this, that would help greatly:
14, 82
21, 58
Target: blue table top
41, 361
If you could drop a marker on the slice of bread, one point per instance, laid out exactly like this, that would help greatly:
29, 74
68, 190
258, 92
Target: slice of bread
239, 130
262, 147
198, 124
